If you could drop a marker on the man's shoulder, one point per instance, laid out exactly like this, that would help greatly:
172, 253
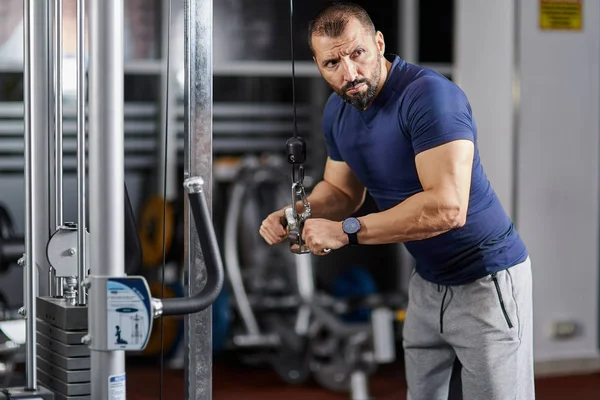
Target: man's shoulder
432, 93
428, 84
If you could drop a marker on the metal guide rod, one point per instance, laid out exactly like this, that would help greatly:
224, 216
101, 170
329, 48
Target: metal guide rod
58, 112
198, 127
168, 165
106, 174
37, 212
56, 145
81, 163
51, 93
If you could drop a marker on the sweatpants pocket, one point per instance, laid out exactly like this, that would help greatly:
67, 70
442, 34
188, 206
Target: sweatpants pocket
500, 298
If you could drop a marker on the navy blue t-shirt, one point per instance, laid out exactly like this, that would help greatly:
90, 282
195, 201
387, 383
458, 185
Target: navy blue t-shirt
416, 110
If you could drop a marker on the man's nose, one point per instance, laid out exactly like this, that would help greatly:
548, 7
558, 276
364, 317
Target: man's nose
350, 71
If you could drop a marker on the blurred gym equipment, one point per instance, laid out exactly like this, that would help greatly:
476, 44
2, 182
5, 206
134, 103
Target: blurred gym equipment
277, 316
12, 246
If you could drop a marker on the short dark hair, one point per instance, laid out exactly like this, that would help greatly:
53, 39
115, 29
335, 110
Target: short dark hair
332, 20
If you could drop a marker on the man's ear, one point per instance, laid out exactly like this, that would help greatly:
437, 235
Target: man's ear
380, 42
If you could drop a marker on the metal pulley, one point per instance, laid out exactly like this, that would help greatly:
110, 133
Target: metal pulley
296, 150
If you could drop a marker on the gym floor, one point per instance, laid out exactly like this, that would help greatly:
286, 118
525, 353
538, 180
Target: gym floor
233, 381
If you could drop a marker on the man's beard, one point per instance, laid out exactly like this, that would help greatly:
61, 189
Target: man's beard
361, 100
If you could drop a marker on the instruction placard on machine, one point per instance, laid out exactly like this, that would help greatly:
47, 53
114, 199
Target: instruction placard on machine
129, 319
116, 387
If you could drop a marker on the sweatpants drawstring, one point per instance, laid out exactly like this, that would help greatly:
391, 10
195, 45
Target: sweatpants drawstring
443, 306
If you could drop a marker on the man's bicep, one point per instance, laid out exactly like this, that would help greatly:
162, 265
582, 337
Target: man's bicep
447, 169
340, 175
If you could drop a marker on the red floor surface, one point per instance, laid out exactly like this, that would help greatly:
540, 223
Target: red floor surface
249, 383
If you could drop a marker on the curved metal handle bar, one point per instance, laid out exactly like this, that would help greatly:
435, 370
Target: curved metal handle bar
212, 257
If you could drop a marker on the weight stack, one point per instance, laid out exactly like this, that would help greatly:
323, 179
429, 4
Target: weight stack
63, 362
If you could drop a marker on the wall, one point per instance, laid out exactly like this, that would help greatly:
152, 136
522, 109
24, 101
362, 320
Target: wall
549, 160
484, 64
557, 183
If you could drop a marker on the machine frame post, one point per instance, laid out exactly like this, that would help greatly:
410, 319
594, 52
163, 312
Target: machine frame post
106, 177
37, 191
81, 150
198, 132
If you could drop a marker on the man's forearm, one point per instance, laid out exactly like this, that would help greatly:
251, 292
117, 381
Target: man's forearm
327, 201
421, 216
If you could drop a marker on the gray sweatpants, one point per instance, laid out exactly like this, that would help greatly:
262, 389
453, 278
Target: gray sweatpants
487, 324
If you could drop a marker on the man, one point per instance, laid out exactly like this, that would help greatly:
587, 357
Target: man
407, 135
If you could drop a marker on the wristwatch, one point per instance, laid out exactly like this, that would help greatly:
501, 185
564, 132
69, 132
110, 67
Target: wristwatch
351, 226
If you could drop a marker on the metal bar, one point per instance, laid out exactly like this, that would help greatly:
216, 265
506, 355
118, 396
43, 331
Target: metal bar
136, 162
81, 148
37, 212
198, 99
516, 100
70, 128
51, 279
167, 161
106, 174
52, 116
52, 189
161, 161
304, 69
58, 113
409, 45
409, 33
10, 109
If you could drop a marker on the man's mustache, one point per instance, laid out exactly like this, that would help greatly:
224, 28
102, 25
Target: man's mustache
350, 85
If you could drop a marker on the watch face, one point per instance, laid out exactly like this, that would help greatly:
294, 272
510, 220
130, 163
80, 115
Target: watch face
351, 225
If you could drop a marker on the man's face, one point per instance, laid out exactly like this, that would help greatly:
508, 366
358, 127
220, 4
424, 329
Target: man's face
351, 63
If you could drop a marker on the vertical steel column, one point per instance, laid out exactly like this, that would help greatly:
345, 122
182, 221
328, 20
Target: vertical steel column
56, 55
516, 137
168, 165
408, 11
81, 148
106, 172
198, 162
37, 212
409, 33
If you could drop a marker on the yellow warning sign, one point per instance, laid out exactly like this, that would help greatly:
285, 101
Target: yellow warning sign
561, 14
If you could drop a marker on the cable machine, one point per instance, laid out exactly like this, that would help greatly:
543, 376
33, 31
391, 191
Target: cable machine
75, 335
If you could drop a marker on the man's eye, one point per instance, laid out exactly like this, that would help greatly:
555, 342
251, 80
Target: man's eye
358, 52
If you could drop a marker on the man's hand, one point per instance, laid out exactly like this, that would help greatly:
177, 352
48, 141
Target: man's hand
320, 234
271, 228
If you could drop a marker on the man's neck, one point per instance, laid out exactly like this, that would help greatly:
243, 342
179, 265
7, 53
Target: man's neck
387, 66
385, 73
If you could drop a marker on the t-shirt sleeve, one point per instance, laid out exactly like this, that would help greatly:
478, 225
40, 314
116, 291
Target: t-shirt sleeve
329, 115
436, 111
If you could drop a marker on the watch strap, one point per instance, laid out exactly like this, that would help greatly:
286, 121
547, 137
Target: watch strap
353, 239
